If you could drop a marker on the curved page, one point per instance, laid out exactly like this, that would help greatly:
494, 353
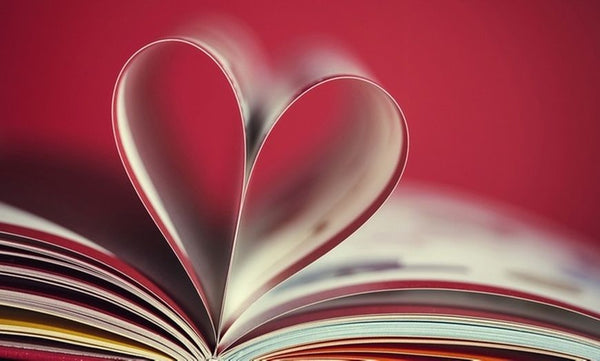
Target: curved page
423, 239
329, 161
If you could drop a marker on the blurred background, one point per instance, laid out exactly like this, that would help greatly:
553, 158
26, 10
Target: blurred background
501, 97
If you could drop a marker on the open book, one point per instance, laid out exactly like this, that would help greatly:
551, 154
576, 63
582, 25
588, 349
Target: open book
268, 248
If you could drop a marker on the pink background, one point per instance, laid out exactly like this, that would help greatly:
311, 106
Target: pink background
501, 97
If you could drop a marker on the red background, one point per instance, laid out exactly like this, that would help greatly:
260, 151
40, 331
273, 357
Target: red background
501, 97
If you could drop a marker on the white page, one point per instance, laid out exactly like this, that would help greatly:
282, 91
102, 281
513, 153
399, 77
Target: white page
422, 235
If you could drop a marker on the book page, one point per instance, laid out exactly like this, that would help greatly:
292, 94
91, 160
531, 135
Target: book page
492, 337
300, 202
390, 349
33, 262
93, 210
32, 324
103, 322
185, 156
422, 239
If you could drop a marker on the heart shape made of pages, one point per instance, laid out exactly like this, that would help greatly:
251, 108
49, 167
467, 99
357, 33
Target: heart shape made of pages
251, 176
